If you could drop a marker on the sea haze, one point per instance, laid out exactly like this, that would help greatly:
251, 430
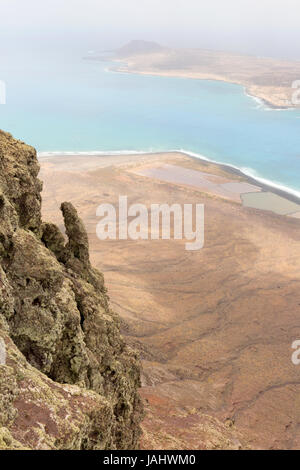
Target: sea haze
60, 103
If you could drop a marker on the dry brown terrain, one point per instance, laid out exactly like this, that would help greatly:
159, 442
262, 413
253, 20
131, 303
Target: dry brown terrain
214, 326
265, 78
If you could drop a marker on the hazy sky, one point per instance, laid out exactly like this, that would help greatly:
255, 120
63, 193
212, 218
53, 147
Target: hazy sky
262, 27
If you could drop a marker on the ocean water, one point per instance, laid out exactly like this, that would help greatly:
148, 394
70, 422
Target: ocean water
62, 103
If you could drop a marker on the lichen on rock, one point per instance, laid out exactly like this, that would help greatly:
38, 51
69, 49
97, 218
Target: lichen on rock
69, 380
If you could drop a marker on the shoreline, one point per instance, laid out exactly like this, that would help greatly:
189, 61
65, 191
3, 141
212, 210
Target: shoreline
265, 184
269, 105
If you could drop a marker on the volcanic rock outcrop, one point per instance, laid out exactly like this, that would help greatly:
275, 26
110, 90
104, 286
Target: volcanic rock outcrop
67, 378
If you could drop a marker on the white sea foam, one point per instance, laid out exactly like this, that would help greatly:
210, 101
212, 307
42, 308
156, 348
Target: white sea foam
261, 104
250, 172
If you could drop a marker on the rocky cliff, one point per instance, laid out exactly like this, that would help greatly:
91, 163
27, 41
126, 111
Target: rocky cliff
67, 379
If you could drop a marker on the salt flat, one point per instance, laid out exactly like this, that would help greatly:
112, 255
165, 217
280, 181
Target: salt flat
270, 202
217, 185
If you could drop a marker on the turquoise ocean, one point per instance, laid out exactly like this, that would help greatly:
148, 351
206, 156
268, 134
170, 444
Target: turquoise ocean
67, 104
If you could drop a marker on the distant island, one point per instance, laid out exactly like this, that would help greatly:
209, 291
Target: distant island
265, 78
139, 47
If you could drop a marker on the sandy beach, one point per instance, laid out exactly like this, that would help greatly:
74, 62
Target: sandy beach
214, 326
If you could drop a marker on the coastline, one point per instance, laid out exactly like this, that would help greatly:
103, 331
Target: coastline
268, 103
265, 184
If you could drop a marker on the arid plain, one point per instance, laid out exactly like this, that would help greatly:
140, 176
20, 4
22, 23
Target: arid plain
214, 326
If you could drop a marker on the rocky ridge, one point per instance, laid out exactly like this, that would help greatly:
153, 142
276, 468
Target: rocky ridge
67, 378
